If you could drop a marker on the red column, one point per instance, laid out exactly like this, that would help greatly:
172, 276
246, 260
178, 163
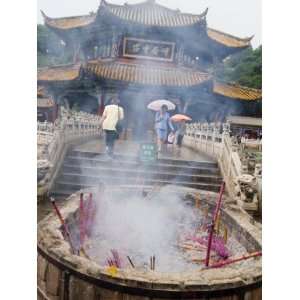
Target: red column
101, 104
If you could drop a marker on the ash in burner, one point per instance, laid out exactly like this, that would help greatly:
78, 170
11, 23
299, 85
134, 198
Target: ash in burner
160, 224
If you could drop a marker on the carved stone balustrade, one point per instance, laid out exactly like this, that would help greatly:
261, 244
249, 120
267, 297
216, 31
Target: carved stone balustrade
54, 138
236, 162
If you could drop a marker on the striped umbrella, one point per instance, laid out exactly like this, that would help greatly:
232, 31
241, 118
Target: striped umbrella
157, 104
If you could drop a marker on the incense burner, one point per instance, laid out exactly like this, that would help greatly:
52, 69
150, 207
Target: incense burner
62, 274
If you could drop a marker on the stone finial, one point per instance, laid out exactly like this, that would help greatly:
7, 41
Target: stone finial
226, 128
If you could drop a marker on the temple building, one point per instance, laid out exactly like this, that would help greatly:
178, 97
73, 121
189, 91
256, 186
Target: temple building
143, 52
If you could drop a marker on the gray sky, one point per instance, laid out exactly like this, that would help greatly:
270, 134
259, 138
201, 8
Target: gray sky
238, 17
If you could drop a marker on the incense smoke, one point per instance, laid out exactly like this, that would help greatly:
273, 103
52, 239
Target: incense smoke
140, 227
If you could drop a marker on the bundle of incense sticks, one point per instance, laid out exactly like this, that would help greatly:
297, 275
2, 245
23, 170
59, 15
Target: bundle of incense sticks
110, 262
217, 245
212, 227
66, 231
231, 261
116, 258
152, 262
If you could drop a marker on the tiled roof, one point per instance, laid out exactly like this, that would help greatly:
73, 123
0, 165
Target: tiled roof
69, 22
241, 120
227, 39
59, 73
146, 74
236, 91
146, 13
152, 14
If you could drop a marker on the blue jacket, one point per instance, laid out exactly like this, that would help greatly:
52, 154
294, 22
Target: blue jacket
162, 122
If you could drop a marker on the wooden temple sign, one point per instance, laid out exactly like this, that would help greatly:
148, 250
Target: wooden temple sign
148, 49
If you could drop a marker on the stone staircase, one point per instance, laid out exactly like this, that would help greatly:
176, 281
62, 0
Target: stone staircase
82, 169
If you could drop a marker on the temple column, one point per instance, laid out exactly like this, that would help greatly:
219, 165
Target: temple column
115, 42
99, 95
76, 53
61, 100
187, 103
180, 55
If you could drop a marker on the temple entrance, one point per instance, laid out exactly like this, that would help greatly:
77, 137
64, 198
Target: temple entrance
82, 102
139, 121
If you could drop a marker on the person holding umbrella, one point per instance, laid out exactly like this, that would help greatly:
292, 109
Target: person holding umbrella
181, 127
162, 122
180, 133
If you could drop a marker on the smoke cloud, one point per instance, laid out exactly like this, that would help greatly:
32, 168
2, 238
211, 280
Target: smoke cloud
140, 227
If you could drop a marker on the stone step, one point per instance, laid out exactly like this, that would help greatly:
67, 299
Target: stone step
89, 173
83, 169
67, 188
98, 162
127, 158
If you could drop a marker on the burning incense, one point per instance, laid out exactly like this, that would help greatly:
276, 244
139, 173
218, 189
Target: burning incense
130, 261
197, 201
64, 225
81, 220
109, 262
231, 261
116, 258
152, 262
213, 224
83, 253
218, 223
217, 245
225, 237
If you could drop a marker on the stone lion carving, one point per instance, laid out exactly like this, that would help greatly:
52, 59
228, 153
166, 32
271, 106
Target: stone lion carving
246, 192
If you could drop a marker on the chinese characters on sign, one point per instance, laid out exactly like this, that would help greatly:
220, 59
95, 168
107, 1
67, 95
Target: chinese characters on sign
148, 152
146, 49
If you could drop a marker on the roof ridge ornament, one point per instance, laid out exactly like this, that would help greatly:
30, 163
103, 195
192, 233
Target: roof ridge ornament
44, 15
204, 14
103, 3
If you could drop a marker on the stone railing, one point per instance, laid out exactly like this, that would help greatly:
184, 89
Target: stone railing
239, 161
53, 140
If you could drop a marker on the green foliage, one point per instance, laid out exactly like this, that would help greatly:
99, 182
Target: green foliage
50, 48
244, 68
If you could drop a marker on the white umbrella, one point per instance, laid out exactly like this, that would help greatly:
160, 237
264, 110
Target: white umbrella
157, 104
